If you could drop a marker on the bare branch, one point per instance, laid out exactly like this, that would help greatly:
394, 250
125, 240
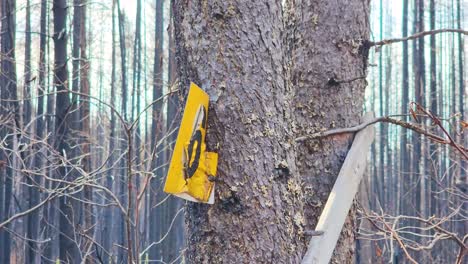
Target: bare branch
417, 35
463, 150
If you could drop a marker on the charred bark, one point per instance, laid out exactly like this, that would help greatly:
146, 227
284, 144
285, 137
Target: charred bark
68, 215
9, 107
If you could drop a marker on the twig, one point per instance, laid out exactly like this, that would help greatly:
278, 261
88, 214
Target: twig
417, 35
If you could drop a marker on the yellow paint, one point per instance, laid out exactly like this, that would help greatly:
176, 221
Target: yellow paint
191, 165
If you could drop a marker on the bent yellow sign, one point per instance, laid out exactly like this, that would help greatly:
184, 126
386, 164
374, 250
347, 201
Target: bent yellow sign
191, 166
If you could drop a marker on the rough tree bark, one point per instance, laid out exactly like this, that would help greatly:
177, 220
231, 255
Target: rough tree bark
271, 72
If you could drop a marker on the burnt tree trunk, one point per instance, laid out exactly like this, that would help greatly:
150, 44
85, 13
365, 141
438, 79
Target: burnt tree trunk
272, 74
9, 109
84, 106
405, 157
175, 239
69, 252
463, 108
32, 180
433, 151
462, 91
33, 217
157, 130
108, 223
121, 181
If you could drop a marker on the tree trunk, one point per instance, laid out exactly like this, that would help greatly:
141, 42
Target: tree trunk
32, 180
68, 206
381, 174
121, 232
175, 239
404, 157
462, 227
157, 130
33, 218
271, 76
462, 94
322, 105
108, 223
76, 58
9, 107
88, 220
50, 219
433, 150
417, 140
27, 111
135, 110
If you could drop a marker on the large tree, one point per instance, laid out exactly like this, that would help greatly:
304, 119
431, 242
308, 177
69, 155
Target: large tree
274, 70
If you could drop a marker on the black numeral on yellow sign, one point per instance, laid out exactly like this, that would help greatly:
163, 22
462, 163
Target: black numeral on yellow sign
195, 142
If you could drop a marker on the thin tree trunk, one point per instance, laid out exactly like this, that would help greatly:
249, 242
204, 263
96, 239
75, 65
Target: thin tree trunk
108, 219
405, 157
418, 50
386, 189
31, 227
135, 110
433, 150
68, 206
33, 218
382, 138
123, 179
76, 60
463, 226
175, 239
27, 111
157, 130
462, 90
50, 218
85, 129
9, 107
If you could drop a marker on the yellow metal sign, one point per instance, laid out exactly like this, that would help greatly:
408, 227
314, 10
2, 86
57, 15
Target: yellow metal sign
191, 166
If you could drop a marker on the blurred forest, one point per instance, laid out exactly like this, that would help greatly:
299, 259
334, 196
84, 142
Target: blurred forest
415, 184
89, 109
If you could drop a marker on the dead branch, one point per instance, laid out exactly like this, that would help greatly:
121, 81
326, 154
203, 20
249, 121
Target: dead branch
431, 223
386, 119
32, 209
417, 35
